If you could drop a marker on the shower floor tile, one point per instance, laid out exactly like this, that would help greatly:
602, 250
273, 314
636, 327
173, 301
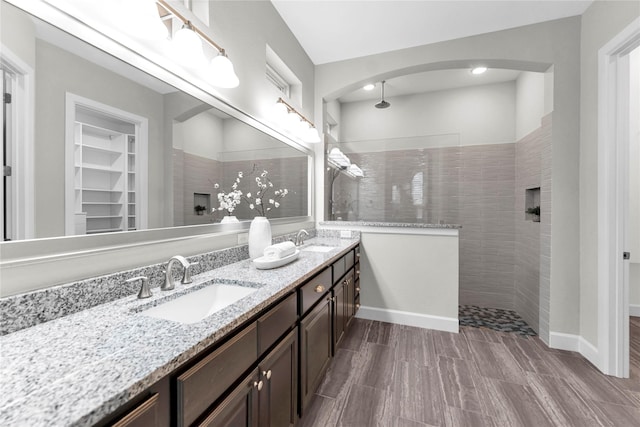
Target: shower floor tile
493, 318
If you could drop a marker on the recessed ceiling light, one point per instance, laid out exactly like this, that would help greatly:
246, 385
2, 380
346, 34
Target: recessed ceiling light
478, 70
370, 86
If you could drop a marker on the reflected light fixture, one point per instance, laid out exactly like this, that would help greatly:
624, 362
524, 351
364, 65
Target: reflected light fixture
187, 45
370, 86
478, 70
295, 122
355, 171
338, 159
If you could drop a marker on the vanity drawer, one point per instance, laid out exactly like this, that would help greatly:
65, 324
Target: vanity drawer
202, 384
314, 289
349, 260
342, 265
276, 322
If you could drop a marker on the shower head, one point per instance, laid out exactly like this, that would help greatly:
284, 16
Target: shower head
382, 103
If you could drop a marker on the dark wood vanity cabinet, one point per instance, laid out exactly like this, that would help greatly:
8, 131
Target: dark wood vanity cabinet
267, 397
356, 281
266, 373
239, 409
206, 381
278, 371
344, 294
315, 349
143, 415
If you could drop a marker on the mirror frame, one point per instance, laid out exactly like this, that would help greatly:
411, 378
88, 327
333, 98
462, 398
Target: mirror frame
20, 251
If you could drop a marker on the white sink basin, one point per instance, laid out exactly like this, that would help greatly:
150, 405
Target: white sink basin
195, 306
318, 248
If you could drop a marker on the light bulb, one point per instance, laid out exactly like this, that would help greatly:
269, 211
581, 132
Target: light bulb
222, 73
141, 19
370, 86
279, 112
478, 70
292, 121
187, 47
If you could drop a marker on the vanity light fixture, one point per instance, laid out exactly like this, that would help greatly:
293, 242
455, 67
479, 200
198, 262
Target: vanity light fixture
370, 86
141, 19
478, 70
295, 122
189, 46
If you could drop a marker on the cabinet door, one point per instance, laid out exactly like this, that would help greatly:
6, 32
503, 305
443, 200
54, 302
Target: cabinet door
144, 415
315, 349
279, 374
339, 313
349, 300
240, 408
206, 381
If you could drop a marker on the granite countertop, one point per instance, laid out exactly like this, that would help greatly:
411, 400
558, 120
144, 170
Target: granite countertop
77, 369
352, 224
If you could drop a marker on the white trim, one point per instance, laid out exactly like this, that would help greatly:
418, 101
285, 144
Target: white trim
23, 216
439, 323
613, 295
634, 310
575, 343
384, 228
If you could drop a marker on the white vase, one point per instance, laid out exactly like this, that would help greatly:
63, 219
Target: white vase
259, 236
227, 219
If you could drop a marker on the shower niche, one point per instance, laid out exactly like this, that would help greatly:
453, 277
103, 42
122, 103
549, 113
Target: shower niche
532, 204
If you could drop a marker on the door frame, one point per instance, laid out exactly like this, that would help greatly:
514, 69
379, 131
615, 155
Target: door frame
613, 181
72, 101
23, 100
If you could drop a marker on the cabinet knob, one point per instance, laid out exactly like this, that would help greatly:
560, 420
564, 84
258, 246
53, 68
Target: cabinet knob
357, 272
357, 289
357, 305
319, 289
267, 374
258, 384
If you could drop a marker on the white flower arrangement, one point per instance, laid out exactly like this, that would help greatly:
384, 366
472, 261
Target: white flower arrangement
228, 201
259, 201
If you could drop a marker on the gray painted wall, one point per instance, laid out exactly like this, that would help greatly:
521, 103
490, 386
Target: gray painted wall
81, 77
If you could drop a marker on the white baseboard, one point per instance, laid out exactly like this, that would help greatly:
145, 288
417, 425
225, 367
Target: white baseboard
447, 324
575, 343
634, 310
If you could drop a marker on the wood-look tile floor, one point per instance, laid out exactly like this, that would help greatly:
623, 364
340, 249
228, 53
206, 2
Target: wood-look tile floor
401, 376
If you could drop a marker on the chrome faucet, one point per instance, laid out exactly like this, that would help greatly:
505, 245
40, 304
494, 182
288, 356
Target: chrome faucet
300, 237
186, 272
145, 292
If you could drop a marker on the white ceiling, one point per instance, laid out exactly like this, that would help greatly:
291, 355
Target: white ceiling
431, 81
332, 30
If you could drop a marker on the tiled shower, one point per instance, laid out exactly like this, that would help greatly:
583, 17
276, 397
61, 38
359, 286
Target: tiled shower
504, 251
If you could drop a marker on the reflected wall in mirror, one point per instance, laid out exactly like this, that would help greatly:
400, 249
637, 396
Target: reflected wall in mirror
117, 149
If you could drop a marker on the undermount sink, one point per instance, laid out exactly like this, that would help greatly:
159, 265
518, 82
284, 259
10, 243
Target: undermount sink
318, 248
197, 305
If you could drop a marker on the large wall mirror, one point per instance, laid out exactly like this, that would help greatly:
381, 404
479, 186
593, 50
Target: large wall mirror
118, 150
